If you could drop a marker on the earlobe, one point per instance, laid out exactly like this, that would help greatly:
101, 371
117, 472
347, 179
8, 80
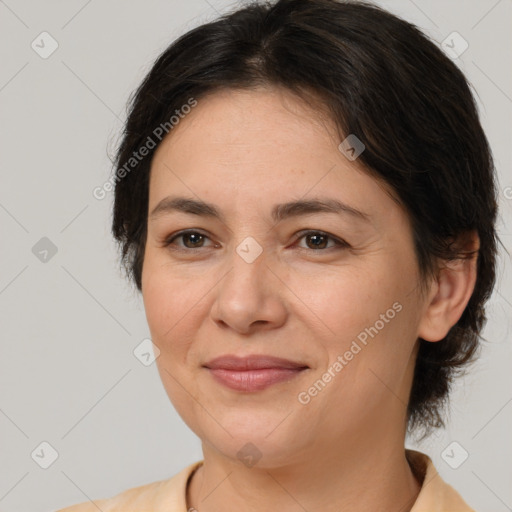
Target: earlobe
450, 292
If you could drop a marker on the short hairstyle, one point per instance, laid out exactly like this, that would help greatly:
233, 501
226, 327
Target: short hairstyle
378, 77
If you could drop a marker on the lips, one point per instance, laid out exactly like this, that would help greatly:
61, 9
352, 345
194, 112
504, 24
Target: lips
253, 373
253, 362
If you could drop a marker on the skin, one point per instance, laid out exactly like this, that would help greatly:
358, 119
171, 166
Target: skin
244, 152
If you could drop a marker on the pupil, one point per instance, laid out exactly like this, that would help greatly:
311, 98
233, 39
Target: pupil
317, 237
191, 236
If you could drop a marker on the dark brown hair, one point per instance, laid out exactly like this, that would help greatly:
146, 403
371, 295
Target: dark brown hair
381, 79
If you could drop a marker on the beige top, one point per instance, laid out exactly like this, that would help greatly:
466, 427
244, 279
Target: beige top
170, 495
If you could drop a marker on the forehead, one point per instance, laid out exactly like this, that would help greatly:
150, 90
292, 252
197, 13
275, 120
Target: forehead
239, 120
252, 144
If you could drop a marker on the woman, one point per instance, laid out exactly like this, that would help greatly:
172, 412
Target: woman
306, 200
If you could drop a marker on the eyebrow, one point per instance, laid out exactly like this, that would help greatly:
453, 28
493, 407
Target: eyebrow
279, 211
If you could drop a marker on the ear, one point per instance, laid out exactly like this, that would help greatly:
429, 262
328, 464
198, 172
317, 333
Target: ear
450, 291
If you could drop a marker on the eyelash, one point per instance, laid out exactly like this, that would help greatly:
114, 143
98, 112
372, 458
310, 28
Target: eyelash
339, 243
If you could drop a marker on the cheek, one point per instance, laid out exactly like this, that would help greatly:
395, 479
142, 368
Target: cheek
172, 307
365, 315
170, 296
173, 323
343, 300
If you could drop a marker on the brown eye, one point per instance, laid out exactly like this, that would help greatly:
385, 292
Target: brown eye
190, 240
318, 240
195, 239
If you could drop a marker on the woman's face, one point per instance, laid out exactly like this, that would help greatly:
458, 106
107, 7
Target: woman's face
336, 292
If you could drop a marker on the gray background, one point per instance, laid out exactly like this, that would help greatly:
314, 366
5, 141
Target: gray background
69, 325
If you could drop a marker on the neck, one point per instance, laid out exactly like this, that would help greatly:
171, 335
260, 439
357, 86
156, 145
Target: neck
376, 477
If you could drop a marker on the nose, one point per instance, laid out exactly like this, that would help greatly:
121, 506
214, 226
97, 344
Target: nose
251, 296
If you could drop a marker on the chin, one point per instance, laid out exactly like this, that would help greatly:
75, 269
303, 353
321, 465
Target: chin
254, 442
